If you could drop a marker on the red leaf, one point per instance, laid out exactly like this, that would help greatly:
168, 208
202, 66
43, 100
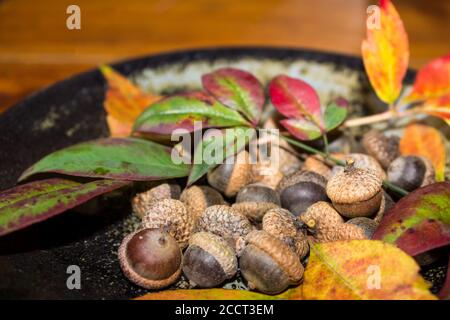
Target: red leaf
294, 98
237, 89
433, 80
420, 221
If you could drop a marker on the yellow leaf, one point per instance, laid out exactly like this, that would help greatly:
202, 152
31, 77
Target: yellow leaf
124, 102
386, 53
426, 141
362, 269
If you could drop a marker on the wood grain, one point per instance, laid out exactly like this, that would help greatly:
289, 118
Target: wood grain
36, 48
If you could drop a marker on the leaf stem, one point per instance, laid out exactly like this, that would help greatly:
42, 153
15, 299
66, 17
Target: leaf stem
384, 116
305, 147
325, 143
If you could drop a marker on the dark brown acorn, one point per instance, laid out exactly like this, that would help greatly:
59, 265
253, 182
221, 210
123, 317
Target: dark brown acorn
411, 172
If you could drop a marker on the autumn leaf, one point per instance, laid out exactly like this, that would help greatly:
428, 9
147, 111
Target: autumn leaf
37, 201
220, 294
124, 102
362, 269
183, 111
426, 141
297, 100
439, 107
237, 89
385, 53
420, 221
432, 80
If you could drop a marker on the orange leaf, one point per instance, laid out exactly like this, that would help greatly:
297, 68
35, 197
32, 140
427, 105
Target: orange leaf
218, 294
385, 54
423, 140
432, 81
124, 102
362, 269
439, 107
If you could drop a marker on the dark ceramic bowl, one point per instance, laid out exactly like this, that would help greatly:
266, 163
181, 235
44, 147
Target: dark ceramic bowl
34, 261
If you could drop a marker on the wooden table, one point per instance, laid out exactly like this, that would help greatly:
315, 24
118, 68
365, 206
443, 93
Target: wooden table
36, 48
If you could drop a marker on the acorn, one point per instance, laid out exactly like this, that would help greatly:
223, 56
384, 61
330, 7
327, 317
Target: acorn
283, 225
386, 204
326, 225
225, 222
384, 149
198, 198
266, 173
257, 192
254, 211
209, 260
362, 161
367, 225
355, 192
150, 258
411, 172
141, 202
317, 164
302, 189
172, 216
268, 264
229, 178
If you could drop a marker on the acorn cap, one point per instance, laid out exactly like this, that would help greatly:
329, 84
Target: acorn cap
283, 225
384, 149
198, 198
430, 174
172, 216
301, 176
219, 249
229, 178
254, 211
141, 202
355, 192
362, 161
150, 258
316, 163
279, 252
386, 204
224, 221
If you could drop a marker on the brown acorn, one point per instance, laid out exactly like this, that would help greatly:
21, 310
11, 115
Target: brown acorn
267, 174
141, 202
326, 225
150, 258
355, 192
255, 199
367, 225
225, 222
229, 178
386, 204
411, 172
384, 149
209, 260
283, 225
361, 161
198, 198
172, 216
268, 264
317, 164
300, 190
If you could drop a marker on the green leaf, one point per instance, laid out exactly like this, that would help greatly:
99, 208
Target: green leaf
237, 89
182, 111
334, 115
217, 146
302, 129
39, 200
116, 158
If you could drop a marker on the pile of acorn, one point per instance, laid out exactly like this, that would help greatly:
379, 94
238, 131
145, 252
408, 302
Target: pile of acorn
277, 212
